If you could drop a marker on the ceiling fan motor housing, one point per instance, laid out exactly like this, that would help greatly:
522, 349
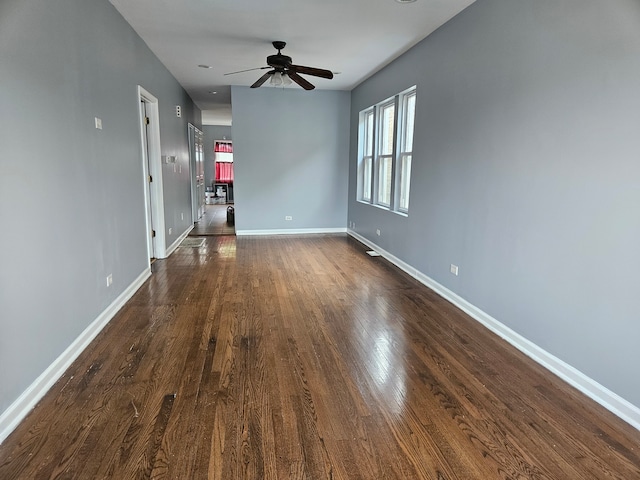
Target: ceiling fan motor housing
279, 61
282, 66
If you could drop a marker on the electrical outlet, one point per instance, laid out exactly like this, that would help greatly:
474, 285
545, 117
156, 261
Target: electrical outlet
109, 280
288, 218
182, 216
378, 232
170, 231
98, 123
454, 269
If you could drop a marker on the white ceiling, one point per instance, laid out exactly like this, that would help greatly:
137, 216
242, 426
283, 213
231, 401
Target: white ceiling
353, 37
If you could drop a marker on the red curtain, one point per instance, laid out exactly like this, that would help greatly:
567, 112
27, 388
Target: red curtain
224, 172
223, 147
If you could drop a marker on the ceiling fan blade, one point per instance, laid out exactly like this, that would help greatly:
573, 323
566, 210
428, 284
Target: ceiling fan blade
299, 80
262, 79
247, 70
316, 72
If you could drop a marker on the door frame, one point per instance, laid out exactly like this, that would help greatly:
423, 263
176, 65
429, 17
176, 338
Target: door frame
152, 166
197, 209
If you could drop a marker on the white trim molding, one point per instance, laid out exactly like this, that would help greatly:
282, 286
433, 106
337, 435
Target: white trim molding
154, 199
300, 231
624, 409
19, 409
178, 241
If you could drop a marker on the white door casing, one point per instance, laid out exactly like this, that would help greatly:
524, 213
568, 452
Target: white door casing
152, 169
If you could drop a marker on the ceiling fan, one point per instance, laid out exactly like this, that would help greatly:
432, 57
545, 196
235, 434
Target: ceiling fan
283, 72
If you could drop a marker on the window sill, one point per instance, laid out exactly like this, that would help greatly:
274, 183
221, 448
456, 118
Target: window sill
382, 207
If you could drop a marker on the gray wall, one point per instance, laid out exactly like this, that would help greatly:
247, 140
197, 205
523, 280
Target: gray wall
71, 196
290, 150
211, 134
526, 173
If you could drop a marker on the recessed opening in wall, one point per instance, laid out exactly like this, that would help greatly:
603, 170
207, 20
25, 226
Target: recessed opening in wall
223, 158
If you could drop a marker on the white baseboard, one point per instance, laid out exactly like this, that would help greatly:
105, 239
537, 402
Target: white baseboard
300, 231
178, 241
19, 409
624, 409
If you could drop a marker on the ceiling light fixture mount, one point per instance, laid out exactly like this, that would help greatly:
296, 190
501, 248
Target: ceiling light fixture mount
202, 65
406, 1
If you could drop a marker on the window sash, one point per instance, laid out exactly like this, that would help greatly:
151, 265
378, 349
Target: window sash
386, 128
368, 133
408, 121
385, 180
405, 156
366, 176
405, 182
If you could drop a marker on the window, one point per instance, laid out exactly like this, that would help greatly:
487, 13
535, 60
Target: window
366, 164
406, 149
386, 152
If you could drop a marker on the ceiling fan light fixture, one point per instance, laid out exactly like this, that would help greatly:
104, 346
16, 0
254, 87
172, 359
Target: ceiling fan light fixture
276, 79
285, 73
406, 1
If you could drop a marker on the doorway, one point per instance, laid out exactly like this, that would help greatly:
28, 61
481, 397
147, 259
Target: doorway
152, 174
196, 164
215, 220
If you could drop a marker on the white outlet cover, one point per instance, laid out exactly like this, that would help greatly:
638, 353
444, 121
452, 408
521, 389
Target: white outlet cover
98, 123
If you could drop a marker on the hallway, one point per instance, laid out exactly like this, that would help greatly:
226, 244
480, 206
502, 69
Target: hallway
213, 222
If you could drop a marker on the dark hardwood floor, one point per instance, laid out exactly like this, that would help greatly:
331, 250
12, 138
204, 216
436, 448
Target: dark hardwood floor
304, 358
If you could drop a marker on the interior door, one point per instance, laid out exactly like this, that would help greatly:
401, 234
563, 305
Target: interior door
196, 154
147, 169
200, 181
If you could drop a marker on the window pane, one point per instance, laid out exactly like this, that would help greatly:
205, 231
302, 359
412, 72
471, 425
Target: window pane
384, 181
386, 129
405, 179
366, 179
368, 134
410, 115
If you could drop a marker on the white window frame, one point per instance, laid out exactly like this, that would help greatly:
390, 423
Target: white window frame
365, 163
370, 174
386, 158
405, 154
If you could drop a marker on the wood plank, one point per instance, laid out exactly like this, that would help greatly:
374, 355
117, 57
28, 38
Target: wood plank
304, 358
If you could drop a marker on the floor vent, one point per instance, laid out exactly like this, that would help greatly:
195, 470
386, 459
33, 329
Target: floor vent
192, 242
